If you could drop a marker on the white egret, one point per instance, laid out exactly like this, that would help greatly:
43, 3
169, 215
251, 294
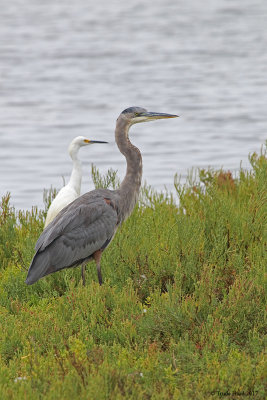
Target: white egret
72, 190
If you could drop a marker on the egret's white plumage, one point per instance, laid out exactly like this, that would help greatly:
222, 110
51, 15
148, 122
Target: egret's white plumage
72, 190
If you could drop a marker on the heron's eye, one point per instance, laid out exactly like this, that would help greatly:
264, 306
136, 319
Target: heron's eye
136, 114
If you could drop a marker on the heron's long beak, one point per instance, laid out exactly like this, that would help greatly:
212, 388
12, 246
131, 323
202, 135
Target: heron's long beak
97, 141
155, 115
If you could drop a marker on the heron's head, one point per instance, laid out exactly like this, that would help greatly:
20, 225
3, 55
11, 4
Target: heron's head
137, 114
81, 141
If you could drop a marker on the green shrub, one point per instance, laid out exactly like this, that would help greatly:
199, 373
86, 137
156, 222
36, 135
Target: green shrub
180, 314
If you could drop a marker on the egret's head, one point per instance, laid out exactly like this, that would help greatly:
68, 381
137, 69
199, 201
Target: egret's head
81, 141
137, 114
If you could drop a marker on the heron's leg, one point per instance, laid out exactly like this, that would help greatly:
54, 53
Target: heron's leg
83, 274
97, 257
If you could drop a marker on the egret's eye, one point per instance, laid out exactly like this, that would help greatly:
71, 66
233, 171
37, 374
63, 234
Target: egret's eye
86, 141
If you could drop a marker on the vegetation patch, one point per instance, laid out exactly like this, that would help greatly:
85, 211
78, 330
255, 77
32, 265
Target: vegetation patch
180, 314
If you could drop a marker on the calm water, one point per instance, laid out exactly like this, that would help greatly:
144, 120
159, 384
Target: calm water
69, 68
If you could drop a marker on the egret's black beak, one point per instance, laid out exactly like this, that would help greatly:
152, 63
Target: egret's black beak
155, 115
97, 141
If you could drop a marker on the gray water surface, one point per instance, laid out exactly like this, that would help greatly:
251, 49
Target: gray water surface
69, 68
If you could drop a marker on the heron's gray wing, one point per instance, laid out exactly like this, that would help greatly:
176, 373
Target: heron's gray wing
82, 228
88, 206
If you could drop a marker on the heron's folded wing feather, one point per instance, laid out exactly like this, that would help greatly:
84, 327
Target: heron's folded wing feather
74, 237
80, 242
85, 209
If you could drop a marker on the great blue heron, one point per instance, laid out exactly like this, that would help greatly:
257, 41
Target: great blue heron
72, 190
83, 229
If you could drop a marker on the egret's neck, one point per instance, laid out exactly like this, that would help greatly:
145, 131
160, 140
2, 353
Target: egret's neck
130, 187
76, 174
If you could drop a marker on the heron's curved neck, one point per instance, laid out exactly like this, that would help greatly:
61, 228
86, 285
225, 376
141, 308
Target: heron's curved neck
76, 174
129, 189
